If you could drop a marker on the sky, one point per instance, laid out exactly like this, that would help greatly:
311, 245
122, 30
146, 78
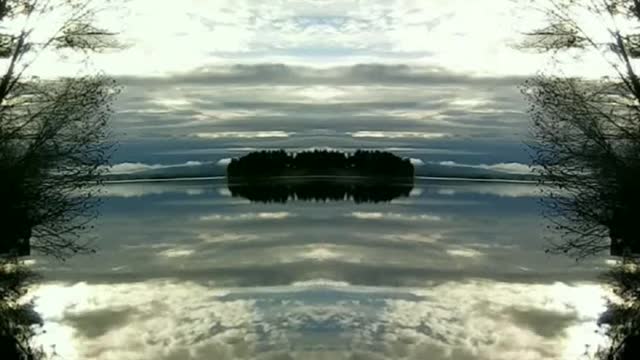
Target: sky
434, 80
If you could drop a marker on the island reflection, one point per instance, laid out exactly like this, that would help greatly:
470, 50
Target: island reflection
321, 189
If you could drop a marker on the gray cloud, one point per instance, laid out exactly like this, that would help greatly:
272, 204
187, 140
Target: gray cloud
361, 74
318, 107
548, 324
96, 323
450, 320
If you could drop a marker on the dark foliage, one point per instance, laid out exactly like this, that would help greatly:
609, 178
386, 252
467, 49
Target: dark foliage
54, 143
319, 163
18, 321
320, 190
586, 133
623, 316
51, 162
54, 140
587, 153
586, 145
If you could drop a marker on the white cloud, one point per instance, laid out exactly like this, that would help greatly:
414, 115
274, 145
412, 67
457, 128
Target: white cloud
321, 253
130, 168
512, 168
321, 94
496, 321
319, 33
320, 283
416, 192
172, 103
416, 162
512, 190
227, 238
81, 320
470, 319
139, 189
281, 215
243, 134
465, 253
174, 253
224, 162
361, 215
398, 134
413, 238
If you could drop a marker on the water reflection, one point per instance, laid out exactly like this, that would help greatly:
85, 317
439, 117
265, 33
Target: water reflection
321, 320
184, 271
321, 190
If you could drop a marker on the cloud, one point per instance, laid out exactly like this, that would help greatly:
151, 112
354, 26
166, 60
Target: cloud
131, 168
280, 215
504, 326
287, 74
100, 322
512, 168
321, 253
416, 162
361, 215
242, 134
227, 238
286, 106
176, 253
502, 189
545, 323
413, 238
398, 134
317, 33
224, 162
471, 319
141, 189
465, 253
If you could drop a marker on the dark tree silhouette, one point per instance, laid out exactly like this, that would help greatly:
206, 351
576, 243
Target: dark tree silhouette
320, 190
320, 163
17, 318
586, 133
53, 133
623, 316
54, 144
587, 149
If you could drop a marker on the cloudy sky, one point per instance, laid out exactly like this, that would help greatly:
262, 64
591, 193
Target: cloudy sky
435, 80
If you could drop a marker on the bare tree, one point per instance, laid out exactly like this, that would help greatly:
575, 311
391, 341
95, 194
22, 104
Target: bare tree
586, 133
586, 148
54, 139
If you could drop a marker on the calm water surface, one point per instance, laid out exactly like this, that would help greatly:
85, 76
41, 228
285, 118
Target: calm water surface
455, 270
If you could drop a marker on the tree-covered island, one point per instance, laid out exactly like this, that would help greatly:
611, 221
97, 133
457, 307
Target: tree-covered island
277, 163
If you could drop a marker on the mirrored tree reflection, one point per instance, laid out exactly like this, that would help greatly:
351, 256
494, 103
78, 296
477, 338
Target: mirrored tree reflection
321, 190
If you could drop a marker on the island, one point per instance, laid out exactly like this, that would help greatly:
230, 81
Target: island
278, 163
320, 175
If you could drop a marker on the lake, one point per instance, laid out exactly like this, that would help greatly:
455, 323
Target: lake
446, 270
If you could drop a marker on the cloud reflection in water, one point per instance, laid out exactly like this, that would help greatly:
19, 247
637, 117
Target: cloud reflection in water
455, 275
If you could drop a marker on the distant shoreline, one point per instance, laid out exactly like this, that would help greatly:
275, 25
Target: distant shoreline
203, 178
